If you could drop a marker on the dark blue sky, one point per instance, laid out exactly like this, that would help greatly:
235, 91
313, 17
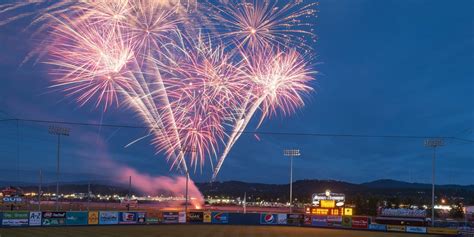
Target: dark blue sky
386, 68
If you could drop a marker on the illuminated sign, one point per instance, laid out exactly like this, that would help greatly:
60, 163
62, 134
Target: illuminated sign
327, 203
326, 211
347, 211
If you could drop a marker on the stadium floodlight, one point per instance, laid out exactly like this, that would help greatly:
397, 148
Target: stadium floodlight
58, 131
187, 150
433, 143
291, 153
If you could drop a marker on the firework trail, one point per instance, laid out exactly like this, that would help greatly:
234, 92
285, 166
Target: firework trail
196, 76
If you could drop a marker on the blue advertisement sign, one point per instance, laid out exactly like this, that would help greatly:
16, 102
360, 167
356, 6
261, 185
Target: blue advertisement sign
108, 218
220, 218
416, 229
377, 227
141, 217
321, 221
128, 218
170, 217
268, 219
77, 218
1, 218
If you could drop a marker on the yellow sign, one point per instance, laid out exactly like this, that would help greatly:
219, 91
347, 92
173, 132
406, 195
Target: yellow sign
444, 231
396, 228
348, 211
326, 211
93, 218
328, 203
207, 217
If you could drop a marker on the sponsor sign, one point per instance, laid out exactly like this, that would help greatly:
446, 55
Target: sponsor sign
396, 228
35, 218
93, 218
12, 199
15, 218
346, 221
108, 218
141, 217
207, 218
170, 217
416, 229
182, 217
195, 217
319, 221
54, 218
77, 218
154, 217
446, 231
127, 218
294, 219
307, 220
268, 219
402, 212
360, 222
220, 218
281, 219
377, 227
334, 221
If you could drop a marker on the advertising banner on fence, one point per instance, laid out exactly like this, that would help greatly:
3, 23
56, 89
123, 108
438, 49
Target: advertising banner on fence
54, 218
446, 231
196, 217
77, 218
281, 219
19, 218
154, 217
396, 228
182, 217
93, 218
141, 217
127, 218
307, 220
377, 227
319, 221
220, 218
416, 229
108, 218
170, 217
360, 222
268, 219
346, 221
334, 221
207, 218
294, 219
1, 218
35, 218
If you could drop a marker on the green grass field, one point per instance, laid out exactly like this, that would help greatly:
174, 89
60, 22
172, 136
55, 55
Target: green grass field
192, 230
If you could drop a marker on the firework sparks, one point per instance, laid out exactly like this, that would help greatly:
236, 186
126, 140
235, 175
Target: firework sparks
195, 91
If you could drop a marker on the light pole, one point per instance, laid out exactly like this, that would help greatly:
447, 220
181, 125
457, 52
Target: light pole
187, 150
58, 131
433, 143
291, 153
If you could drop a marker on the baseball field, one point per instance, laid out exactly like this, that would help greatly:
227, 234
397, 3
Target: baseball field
192, 230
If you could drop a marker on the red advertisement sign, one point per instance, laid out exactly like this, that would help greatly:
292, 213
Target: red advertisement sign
360, 222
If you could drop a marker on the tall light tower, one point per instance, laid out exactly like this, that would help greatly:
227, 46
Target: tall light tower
58, 131
291, 153
187, 151
433, 143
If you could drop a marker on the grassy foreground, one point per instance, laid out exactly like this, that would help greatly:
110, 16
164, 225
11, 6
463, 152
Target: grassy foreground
191, 230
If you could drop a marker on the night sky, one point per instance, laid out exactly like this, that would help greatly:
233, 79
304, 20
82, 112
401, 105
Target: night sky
385, 68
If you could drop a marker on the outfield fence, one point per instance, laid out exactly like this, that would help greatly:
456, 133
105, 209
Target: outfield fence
85, 218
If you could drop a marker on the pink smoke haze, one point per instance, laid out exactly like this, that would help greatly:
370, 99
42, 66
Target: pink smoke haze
159, 184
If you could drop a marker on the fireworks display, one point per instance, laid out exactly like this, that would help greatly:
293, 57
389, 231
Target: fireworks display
196, 73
